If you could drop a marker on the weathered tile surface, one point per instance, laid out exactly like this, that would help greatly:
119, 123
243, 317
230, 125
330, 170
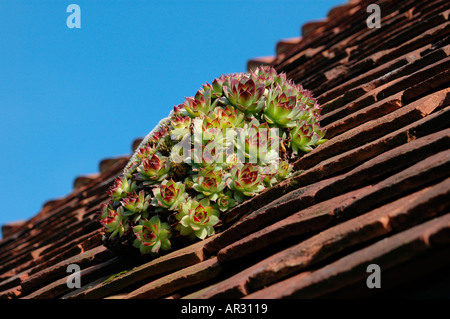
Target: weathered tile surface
386, 253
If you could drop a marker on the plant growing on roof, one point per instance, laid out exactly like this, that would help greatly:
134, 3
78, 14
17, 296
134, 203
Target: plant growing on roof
230, 141
152, 169
245, 94
121, 188
246, 181
209, 183
135, 205
169, 194
114, 221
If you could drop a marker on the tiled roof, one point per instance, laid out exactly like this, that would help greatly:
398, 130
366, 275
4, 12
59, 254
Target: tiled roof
376, 193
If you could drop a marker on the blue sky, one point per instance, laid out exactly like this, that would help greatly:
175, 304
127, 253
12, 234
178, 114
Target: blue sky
72, 97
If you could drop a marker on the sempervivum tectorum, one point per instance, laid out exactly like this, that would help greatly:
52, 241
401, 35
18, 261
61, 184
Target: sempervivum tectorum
284, 108
210, 183
246, 181
201, 103
230, 116
260, 143
217, 86
225, 201
121, 188
114, 221
268, 77
153, 169
197, 219
245, 94
227, 143
305, 136
209, 129
180, 127
136, 205
152, 235
169, 194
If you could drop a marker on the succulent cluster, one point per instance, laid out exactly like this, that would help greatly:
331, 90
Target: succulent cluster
233, 139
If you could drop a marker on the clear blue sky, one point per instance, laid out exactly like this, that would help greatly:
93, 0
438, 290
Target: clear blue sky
72, 97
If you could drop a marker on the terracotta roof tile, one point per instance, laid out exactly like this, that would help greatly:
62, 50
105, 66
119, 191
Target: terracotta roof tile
11, 228
189, 276
285, 44
256, 62
176, 260
387, 253
375, 193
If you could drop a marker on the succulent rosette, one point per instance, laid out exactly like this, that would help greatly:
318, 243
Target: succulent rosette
209, 129
283, 108
268, 77
114, 221
121, 188
160, 134
153, 169
169, 194
145, 151
307, 98
260, 143
284, 170
245, 94
152, 235
227, 143
217, 86
209, 183
246, 181
180, 127
305, 137
197, 219
209, 156
201, 103
225, 201
136, 205
269, 172
233, 117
